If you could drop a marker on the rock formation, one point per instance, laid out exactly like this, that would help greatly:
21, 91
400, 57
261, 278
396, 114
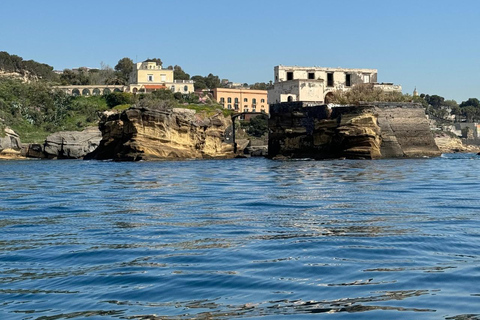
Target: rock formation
72, 144
65, 145
10, 145
383, 130
448, 143
148, 133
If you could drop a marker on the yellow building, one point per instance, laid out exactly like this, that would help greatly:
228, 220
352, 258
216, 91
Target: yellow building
149, 76
242, 100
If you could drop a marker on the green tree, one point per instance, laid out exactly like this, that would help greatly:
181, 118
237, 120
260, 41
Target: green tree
124, 67
471, 113
435, 100
117, 98
199, 82
157, 60
179, 74
162, 94
474, 102
212, 81
257, 126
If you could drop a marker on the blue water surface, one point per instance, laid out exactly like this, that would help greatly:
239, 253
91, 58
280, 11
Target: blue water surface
244, 238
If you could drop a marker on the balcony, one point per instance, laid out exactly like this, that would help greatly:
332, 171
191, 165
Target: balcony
183, 81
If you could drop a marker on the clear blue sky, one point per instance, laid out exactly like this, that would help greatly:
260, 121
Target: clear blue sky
433, 45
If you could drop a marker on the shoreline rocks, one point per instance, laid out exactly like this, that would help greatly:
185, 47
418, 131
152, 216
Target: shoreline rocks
373, 131
141, 133
10, 145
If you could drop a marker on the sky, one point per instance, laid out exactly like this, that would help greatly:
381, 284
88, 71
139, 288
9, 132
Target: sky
432, 45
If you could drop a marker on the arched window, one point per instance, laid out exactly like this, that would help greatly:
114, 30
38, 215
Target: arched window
262, 101
236, 100
229, 100
85, 92
229, 107
222, 100
245, 100
290, 99
185, 88
254, 101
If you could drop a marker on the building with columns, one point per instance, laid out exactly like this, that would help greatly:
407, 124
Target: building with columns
147, 76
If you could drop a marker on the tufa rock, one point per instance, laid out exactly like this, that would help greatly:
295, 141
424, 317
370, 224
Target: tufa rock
10, 145
69, 144
381, 130
148, 133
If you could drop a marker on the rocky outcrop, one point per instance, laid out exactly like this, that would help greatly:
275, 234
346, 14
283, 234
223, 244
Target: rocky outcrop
66, 145
141, 133
383, 130
10, 145
448, 143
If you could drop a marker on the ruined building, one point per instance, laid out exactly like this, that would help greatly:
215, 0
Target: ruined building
316, 84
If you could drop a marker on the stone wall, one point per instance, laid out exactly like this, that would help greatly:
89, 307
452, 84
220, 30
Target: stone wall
381, 130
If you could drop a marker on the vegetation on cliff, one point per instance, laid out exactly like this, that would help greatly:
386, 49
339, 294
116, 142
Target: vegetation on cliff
34, 110
26, 68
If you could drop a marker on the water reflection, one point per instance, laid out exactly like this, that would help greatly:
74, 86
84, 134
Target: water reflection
239, 239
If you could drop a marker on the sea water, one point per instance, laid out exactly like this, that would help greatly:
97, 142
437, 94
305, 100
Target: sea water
243, 238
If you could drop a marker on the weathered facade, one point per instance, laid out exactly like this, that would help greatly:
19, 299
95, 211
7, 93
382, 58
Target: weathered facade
316, 84
380, 130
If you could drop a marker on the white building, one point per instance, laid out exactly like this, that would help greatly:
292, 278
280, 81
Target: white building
316, 84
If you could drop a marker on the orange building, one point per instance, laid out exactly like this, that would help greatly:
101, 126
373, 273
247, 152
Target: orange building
242, 100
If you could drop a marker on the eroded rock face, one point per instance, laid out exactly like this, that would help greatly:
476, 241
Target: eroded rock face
10, 145
160, 134
69, 144
356, 132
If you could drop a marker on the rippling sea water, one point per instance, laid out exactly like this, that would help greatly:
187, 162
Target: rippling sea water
246, 238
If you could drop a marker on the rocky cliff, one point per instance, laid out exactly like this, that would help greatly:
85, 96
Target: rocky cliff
381, 130
141, 133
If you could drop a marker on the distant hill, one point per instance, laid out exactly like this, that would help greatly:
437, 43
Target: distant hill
27, 69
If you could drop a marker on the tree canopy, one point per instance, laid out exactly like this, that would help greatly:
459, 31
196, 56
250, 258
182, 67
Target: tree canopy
123, 68
13, 63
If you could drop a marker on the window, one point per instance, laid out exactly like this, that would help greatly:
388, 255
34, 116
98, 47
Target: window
254, 110
348, 80
172, 88
254, 101
236, 100
229, 100
163, 77
366, 78
229, 107
245, 100
185, 88
222, 100
236, 107
290, 75
330, 79
245, 109
150, 77
311, 75
262, 101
